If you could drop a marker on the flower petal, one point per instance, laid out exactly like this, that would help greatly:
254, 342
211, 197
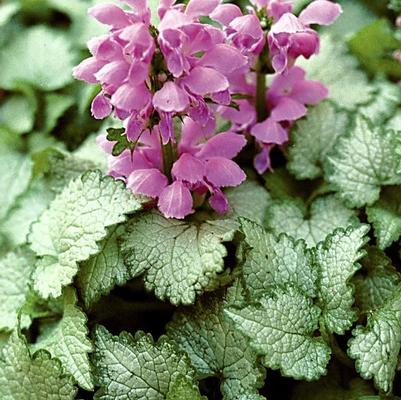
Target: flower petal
189, 168
204, 80
170, 98
270, 131
129, 98
198, 8
224, 58
101, 106
149, 182
225, 13
219, 202
309, 92
110, 14
288, 109
86, 70
320, 12
175, 201
222, 172
227, 144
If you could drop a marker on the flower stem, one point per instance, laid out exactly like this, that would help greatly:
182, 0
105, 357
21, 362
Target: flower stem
168, 158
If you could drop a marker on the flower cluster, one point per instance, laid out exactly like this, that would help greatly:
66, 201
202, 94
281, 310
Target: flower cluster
204, 164
185, 71
149, 76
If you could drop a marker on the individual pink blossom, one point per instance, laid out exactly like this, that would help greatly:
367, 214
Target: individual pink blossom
291, 36
204, 165
149, 76
275, 8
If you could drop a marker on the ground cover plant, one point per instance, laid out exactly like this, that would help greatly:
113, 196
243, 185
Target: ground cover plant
200, 199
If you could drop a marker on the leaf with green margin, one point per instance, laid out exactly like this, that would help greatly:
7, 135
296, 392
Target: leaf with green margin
38, 56
17, 114
385, 216
375, 347
98, 275
32, 377
373, 44
68, 231
67, 340
395, 5
276, 261
384, 104
338, 70
137, 367
184, 389
249, 200
15, 279
179, 258
325, 215
55, 106
282, 328
16, 175
313, 138
337, 258
215, 348
363, 161
376, 282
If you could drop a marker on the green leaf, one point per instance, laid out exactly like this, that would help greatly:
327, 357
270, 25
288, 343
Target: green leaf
215, 348
276, 261
67, 340
282, 185
98, 275
249, 200
376, 282
69, 230
364, 160
122, 143
137, 368
337, 259
282, 328
338, 70
313, 138
184, 389
91, 152
312, 225
16, 175
15, 278
373, 46
56, 106
17, 114
38, 56
154, 5
27, 209
385, 216
27, 377
179, 258
375, 347
384, 104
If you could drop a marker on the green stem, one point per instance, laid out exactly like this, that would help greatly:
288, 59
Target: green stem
168, 158
338, 352
261, 95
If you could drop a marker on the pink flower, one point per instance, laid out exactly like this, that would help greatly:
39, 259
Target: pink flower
204, 165
149, 77
275, 8
286, 102
291, 36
